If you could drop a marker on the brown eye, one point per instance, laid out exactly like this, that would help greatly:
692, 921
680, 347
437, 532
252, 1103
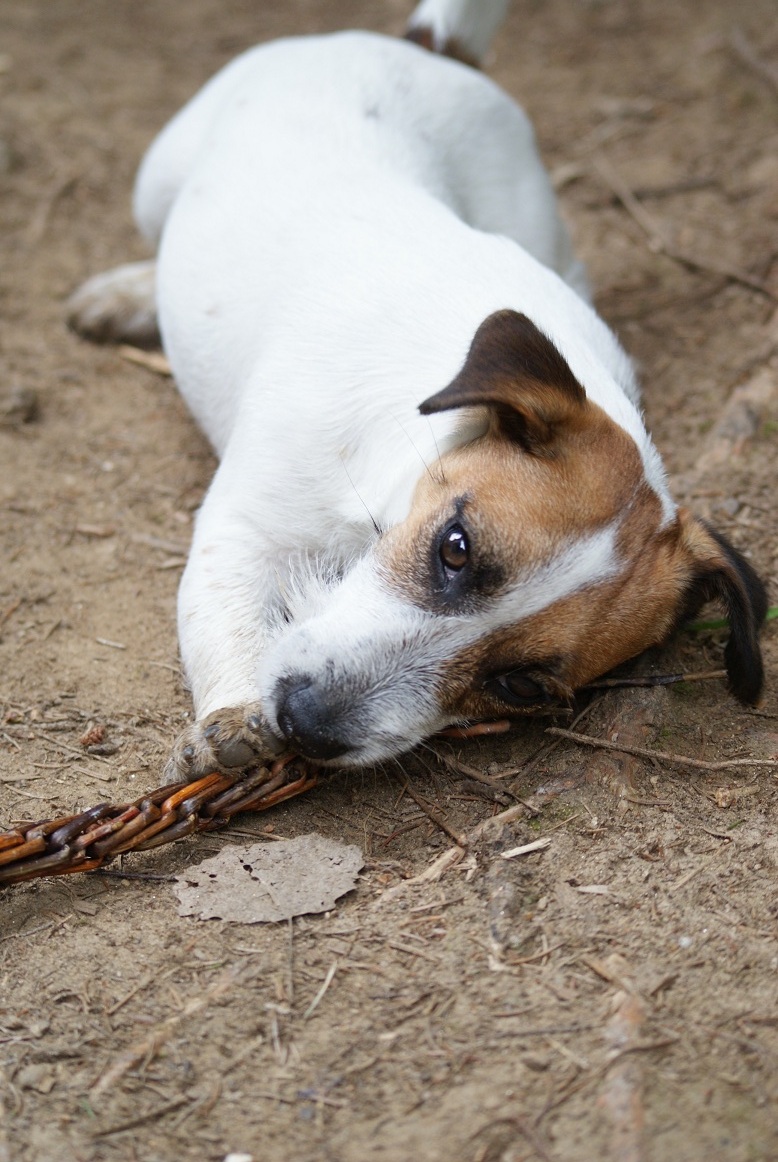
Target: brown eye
523, 687
454, 549
518, 689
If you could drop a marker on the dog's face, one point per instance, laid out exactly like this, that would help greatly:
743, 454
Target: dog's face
533, 560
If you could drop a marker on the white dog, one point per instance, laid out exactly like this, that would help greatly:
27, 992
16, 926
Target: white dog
437, 501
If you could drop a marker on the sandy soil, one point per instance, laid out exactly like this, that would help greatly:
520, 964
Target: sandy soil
610, 997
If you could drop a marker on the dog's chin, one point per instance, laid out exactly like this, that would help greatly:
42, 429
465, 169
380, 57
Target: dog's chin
372, 752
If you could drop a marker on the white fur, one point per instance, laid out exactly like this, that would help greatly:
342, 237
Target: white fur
335, 217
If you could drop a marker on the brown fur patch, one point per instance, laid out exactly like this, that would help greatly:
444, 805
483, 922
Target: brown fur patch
552, 469
579, 637
520, 507
451, 47
520, 511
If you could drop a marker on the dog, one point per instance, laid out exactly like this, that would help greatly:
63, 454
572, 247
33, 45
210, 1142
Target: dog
436, 500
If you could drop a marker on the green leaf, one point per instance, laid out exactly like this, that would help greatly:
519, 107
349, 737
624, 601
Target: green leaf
722, 622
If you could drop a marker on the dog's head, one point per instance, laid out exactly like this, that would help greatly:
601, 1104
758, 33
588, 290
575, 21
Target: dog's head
534, 559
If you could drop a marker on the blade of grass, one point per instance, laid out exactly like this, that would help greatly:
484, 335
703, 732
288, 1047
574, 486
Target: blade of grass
722, 622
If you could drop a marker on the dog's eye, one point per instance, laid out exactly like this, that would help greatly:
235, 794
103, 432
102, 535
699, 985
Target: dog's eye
454, 549
518, 689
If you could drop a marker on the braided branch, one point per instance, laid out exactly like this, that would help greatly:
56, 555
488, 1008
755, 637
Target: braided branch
83, 842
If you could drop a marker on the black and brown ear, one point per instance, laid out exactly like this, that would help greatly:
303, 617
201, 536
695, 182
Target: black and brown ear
516, 371
721, 573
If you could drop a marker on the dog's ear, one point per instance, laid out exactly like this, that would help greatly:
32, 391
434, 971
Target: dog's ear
516, 371
720, 573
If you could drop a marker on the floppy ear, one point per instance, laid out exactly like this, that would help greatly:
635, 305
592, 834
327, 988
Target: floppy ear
516, 371
721, 573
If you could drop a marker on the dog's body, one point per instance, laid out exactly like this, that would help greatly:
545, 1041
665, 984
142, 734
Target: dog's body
337, 218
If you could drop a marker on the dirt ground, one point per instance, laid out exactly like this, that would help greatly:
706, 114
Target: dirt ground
612, 996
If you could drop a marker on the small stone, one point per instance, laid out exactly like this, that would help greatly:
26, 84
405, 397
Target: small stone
535, 1062
37, 1076
18, 405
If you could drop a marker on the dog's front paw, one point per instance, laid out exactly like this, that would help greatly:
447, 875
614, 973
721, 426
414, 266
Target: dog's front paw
237, 736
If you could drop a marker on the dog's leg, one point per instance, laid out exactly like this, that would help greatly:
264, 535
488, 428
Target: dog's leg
228, 608
118, 306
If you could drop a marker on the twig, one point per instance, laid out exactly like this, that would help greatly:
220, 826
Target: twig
152, 360
327, 982
42, 215
118, 874
655, 679
660, 755
542, 753
513, 961
658, 241
150, 978
9, 610
622, 1095
435, 815
458, 767
27, 932
526, 848
202, 1105
744, 50
58, 744
140, 1119
436, 905
684, 186
420, 952
474, 729
509, 815
501, 725
164, 544
290, 964
436, 869
685, 879
454, 855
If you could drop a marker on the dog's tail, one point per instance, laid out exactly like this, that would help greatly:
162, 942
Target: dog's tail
462, 29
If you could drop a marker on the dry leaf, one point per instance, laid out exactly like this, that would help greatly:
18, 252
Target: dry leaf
269, 882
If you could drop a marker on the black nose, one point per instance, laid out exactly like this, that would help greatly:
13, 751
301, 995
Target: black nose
306, 721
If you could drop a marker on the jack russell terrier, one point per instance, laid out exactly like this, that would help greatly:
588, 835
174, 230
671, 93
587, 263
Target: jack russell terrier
436, 499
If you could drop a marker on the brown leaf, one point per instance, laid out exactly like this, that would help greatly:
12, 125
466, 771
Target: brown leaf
269, 882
